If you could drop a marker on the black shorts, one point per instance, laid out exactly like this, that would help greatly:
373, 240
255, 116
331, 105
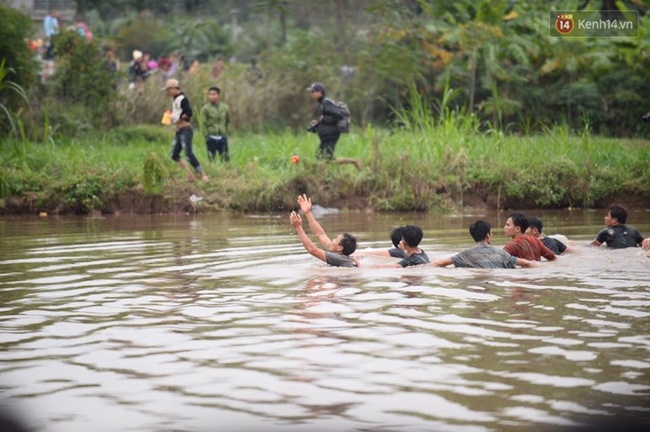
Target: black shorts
327, 146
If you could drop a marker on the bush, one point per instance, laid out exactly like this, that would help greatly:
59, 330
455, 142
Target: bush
19, 62
82, 80
15, 28
81, 75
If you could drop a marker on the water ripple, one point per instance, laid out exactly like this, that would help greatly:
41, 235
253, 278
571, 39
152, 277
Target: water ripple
176, 329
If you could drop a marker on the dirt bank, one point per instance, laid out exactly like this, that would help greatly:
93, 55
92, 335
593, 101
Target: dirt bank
190, 199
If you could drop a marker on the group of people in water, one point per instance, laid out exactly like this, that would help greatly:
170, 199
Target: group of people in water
526, 248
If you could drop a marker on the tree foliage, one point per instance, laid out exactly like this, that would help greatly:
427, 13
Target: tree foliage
81, 76
15, 29
511, 73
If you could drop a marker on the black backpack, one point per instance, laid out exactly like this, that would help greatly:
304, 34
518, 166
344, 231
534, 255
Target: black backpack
344, 124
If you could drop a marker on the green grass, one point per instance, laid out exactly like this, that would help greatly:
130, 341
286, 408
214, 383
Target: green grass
429, 165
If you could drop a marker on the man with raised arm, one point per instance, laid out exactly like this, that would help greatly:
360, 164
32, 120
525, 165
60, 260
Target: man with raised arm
336, 252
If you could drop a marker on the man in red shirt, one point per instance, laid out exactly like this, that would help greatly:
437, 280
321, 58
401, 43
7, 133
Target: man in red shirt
524, 245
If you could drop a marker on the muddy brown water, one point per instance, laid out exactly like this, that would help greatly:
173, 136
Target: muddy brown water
212, 322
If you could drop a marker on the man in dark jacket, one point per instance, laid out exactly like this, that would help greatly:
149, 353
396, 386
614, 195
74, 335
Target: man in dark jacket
181, 113
324, 124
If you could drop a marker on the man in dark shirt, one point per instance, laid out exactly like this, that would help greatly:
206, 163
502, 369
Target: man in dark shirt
337, 251
615, 234
535, 226
325, 125
411, 238
395, 252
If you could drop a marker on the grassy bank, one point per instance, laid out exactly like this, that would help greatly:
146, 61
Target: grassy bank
445, 166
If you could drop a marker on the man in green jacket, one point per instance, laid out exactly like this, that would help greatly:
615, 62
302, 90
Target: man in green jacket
216, 119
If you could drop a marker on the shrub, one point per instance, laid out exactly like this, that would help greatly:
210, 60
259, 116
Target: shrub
81, 75
17, 58
15, 28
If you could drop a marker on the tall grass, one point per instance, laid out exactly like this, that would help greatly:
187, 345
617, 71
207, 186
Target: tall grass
436, 166
8, 86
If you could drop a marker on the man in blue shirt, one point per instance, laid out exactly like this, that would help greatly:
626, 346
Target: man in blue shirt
51, 28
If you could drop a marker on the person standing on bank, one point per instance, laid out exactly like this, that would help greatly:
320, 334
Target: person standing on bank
51, 29
216, 119
324, 124
180, 116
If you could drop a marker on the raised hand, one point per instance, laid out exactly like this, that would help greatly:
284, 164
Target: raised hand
295, 219
305, 203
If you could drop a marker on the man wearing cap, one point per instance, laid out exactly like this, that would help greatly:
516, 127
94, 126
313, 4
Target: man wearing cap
180, 116
324, 124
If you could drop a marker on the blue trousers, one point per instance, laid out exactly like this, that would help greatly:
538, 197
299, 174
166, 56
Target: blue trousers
183, 142
217, 144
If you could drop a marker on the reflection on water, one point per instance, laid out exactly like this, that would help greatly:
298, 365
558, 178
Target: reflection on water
225, 323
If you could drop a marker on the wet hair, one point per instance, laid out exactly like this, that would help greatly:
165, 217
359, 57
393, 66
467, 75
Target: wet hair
618, 212
215, 89
412, 235
480, 229
396, 235
535, 222
348, 243
519, 220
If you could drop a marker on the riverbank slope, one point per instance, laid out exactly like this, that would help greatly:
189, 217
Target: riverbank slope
129, 170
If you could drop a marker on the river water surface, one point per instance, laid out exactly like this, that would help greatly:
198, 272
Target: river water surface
212, 322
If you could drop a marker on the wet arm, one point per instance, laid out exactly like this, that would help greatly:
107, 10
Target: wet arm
443, 262
296, 222
525, 263
600, 238
305, 205
309, 245
384, 266
376, 252
547, 253
318, 230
